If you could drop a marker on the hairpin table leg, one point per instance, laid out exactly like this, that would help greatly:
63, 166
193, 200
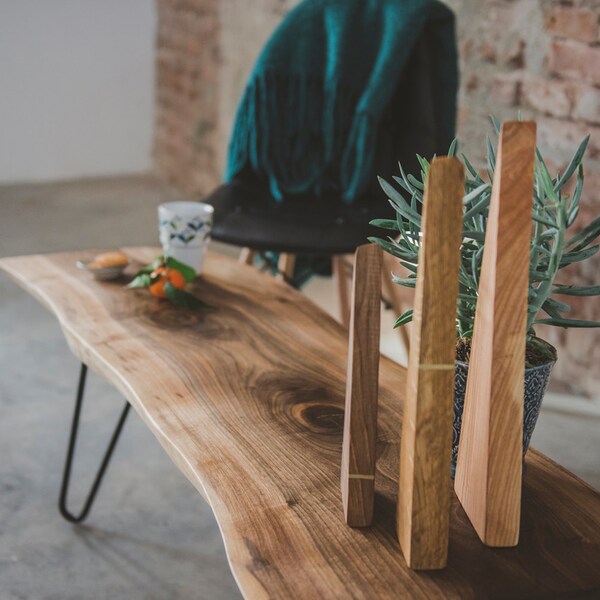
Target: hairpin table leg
62, 503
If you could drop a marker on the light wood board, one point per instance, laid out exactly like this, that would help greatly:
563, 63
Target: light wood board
425, 454
489, 465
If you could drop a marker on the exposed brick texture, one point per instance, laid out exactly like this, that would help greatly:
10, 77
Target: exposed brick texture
187, 72
546, 96
572, 22
575, 60
540, 57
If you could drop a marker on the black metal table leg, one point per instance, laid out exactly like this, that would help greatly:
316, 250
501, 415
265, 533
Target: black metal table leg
62, 503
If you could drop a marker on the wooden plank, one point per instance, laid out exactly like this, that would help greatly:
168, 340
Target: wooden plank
340, 276
248, 402
286, 265
424, 490
247, 256
362, 382
489, 466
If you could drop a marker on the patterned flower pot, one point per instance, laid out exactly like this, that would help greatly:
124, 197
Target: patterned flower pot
536, 381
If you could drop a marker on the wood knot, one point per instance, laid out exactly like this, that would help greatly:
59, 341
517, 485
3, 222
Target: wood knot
312, 406
320, 417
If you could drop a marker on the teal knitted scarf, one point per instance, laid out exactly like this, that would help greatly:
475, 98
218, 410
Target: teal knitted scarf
309, 116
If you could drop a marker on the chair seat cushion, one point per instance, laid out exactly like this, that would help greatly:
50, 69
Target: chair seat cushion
246, 215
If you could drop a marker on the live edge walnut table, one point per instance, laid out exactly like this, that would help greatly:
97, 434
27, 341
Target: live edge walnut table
248, 402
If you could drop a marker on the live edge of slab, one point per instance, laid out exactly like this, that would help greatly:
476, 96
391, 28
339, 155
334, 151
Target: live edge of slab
248, 402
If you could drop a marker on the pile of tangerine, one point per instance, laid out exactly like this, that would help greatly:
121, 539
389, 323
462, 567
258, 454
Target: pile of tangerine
160, 276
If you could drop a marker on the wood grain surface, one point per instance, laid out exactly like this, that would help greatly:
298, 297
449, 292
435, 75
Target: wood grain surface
425, 452
362, 383
248, 402
489, 465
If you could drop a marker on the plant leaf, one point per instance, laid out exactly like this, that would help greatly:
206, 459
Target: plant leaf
574, 206
474, 235
472, 170
575, 290
403, 184
411, 267
491, 154
188, 273
385, 224
573, 164
571, 257
404, 318
409, 282
556, 305
567, 323
452, 149
141, 280
495, 123
481, 205
424, 164
415, 182
586, 236
393, 248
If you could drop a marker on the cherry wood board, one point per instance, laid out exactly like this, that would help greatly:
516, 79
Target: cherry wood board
362, 382
489, 466
248, 402
426, 448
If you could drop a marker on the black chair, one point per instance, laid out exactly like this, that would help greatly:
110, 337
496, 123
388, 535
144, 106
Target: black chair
246, 214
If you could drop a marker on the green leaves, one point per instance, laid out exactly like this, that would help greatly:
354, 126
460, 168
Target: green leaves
557, 322
574, 163
188, 273
141, 280
400, 204
409, 282
574, 290
585, 237
404, 318
385, 224
146, 277
571, 257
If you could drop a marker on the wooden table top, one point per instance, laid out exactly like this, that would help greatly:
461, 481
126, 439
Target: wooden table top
248, 402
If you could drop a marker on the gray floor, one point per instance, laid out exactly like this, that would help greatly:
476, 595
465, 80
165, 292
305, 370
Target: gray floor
150, 534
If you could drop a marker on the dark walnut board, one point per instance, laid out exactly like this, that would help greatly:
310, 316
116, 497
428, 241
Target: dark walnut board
248, 403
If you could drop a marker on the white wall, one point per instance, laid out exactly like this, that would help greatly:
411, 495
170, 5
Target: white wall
76, 88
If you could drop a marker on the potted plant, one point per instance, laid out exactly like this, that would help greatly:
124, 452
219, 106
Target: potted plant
552, 249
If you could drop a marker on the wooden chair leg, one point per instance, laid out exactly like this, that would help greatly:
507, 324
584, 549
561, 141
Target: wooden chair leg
247, 256
391, 295
286, 265
341, 279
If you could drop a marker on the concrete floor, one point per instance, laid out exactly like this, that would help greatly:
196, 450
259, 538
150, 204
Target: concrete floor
150, 535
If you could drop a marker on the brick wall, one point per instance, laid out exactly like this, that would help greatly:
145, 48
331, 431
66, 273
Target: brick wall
186, 95
205, 50
541, 57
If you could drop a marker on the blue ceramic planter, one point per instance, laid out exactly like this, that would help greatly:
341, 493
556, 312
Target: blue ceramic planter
536, 381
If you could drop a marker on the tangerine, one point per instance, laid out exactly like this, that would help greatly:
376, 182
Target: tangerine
162, 275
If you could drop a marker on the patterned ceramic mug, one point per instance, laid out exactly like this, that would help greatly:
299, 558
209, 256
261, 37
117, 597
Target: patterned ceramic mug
185, 231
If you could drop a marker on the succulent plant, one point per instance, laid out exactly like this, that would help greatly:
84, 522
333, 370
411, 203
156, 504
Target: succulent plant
554, 212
